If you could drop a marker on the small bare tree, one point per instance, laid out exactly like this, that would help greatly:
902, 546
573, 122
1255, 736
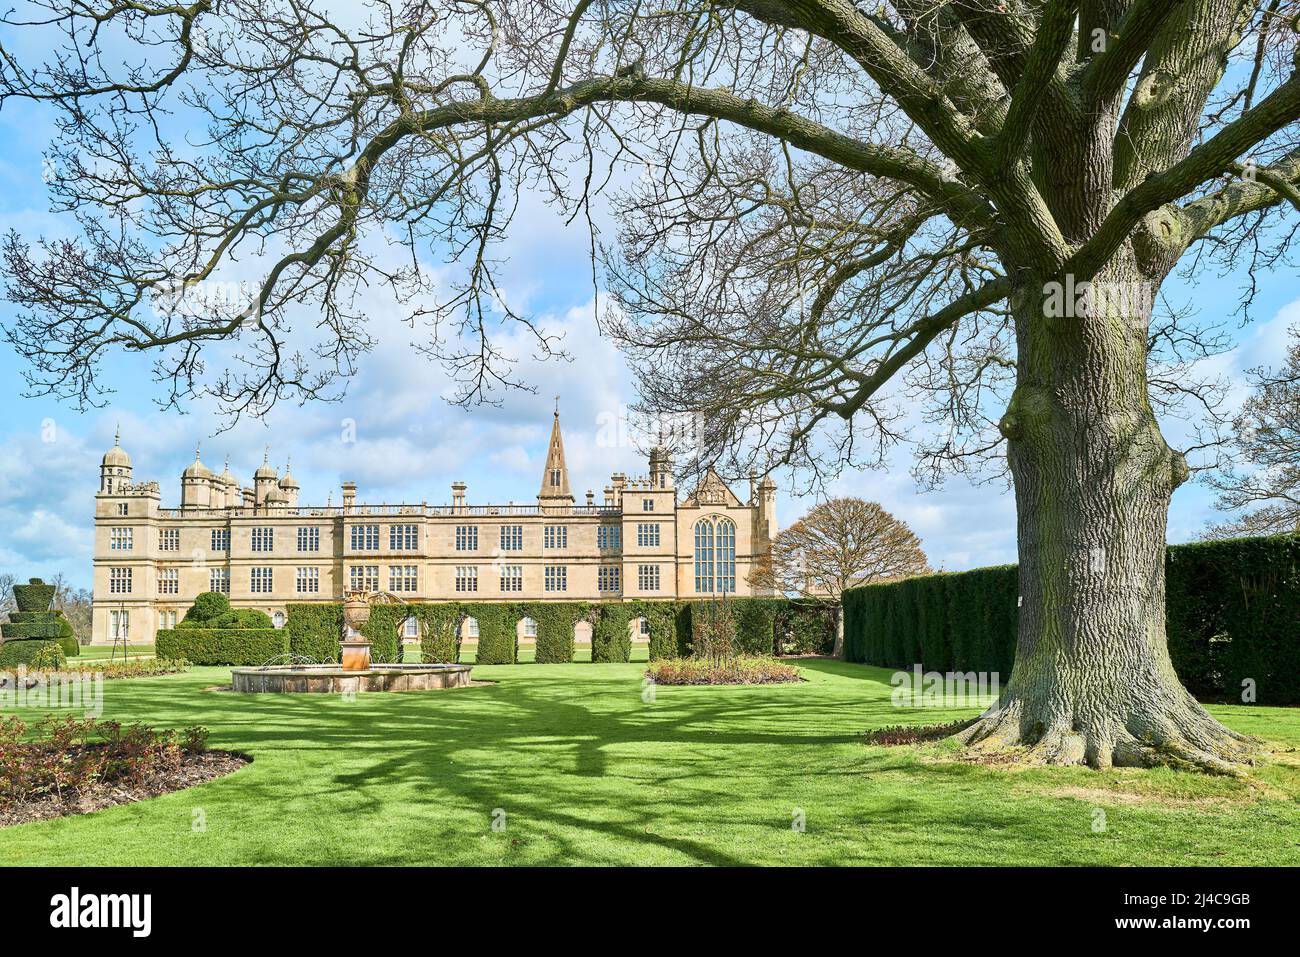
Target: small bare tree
1264, 478
841, 543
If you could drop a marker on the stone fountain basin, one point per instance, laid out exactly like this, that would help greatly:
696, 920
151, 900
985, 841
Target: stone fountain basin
331, 679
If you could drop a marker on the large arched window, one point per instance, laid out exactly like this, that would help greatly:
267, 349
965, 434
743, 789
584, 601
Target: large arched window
715, 556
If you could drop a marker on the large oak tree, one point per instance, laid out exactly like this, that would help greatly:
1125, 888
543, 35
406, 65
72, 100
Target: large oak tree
976, 201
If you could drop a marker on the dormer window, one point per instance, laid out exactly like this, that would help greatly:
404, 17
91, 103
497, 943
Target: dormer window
555, 478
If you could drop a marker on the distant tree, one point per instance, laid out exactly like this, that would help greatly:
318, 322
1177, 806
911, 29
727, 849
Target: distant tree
6, 596
1264, 479
839, 544
75, 603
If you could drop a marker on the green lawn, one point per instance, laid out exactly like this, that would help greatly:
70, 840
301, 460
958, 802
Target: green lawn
104, 652
588, 773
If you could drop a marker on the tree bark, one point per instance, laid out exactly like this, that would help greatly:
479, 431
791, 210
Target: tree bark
1092, 681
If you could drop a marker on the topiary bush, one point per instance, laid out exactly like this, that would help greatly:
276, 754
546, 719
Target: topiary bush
208, 606
755, 624
670, 626
70, 646
35, 596
32, 654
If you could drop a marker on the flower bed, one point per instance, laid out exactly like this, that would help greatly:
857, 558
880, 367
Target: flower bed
139, 668
915, 733
740, 670
72, 766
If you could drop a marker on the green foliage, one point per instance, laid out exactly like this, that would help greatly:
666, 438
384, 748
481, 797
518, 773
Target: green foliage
555, 624
497, 637
314, 630
1233, 611
71, 647
31, 629
208, 606
1234, 616
611, 639
223, 646
34, 596
384, 629
242, 618
670, 626
965, 621
440, 631
33, 654
756, 624
806, 628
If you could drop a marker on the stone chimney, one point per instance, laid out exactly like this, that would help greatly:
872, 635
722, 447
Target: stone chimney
349, 496
458, 496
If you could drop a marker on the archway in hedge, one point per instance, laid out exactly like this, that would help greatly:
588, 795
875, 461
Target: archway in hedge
582, 632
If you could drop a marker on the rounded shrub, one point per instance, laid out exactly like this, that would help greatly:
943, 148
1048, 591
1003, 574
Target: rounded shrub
208, 606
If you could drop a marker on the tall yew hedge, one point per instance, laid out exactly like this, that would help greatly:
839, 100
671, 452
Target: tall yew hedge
1233, 612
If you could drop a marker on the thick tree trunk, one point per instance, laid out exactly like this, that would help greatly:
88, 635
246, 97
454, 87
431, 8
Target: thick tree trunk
1092, 681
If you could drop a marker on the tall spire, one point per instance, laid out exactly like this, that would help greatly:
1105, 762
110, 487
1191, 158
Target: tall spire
555, 477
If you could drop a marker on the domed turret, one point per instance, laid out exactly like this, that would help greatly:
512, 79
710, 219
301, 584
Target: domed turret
230, 486
115, 467
265, 478
196, 485
289, 485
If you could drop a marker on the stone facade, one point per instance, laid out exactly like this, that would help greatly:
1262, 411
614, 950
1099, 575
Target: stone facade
266, 551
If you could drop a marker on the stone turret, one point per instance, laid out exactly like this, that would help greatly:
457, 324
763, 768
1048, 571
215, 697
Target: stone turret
555, 476
197, 482
115, 467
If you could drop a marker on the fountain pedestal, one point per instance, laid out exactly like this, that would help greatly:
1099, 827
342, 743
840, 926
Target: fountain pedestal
356, 655
355, 650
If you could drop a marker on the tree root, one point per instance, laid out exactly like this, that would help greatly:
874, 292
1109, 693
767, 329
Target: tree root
1178, 735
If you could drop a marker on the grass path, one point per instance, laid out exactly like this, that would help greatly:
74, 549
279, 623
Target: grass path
588, 773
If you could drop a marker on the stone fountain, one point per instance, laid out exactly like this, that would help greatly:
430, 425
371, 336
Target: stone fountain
355, 647
355, 671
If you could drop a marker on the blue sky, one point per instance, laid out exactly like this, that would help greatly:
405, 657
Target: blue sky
410, 444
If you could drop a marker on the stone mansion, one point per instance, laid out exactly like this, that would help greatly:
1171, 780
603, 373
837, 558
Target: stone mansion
262, 548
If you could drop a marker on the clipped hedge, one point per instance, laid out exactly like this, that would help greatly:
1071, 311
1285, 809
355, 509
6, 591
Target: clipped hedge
440, 631
1233, 610
384, 629
611, 637
555, 623
963, 621
207, 606
70, 646
498, 642
223, 646
1234, 616
314, 630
